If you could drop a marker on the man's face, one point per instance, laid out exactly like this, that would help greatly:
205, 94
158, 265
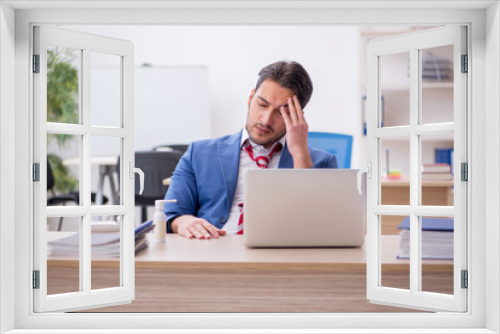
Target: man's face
265, 125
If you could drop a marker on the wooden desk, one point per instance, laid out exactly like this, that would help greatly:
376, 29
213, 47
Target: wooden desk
222, 275
398, 193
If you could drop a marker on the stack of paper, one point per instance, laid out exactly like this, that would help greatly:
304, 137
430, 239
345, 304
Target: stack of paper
437, 239
105, 241
436, 172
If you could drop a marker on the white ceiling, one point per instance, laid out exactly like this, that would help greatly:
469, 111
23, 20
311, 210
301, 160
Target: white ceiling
250, 4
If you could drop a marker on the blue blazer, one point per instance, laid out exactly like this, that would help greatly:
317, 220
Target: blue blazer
205, 179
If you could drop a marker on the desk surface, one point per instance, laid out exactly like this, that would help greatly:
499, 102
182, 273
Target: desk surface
230, 252
173, 277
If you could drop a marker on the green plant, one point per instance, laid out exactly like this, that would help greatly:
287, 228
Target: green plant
62, 107
64, 182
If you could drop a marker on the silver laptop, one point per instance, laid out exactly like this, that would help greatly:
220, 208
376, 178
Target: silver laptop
303, 208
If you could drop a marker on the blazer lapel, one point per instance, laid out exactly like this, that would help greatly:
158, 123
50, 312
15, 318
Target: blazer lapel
286, 160
229, 162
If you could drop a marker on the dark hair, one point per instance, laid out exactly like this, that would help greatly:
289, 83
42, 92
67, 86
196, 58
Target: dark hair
289, 74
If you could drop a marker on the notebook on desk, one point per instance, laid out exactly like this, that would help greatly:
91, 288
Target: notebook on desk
303, 208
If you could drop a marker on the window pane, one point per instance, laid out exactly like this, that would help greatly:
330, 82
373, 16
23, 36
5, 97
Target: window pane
395, 89
395, 170
106, 251
437, 84
105, 89
437, 169
105, 152
437, 254
395, 253
63, 157
63, 255
63, 84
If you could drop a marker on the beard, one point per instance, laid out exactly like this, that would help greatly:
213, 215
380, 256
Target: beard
266, 139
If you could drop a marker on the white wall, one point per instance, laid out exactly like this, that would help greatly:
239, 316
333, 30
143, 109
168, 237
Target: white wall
7, 167
489, 167
234, 55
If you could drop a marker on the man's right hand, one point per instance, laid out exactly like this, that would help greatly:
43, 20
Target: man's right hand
193, 227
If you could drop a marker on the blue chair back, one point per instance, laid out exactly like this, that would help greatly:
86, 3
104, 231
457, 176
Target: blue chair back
339, 145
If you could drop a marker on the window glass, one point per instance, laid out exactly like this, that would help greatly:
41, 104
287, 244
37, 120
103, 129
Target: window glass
395, 255
63, 84
437, 252
437, 169
63, 255
105, 153
395, 170
106, 251
395, 89
63, 170
105, 103
437, 84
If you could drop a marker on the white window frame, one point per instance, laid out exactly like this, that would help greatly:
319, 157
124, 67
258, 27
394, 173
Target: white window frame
414, 43
123, 50
483, 212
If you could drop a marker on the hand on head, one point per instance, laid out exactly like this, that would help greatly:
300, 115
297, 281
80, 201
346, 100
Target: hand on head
296, 133
193, 227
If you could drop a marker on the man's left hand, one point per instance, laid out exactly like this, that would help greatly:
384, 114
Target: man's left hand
296, 133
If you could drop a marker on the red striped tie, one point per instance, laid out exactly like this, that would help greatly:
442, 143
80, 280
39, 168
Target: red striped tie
240, 221
262, 162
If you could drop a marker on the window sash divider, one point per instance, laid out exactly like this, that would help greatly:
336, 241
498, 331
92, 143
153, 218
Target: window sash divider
395, 131
405, 210
67, 211
80, 211
437, 211
86, 255
430, 129
67, 129
108, 210
392, 210
81, 130
415, 192
422, 129
109, 132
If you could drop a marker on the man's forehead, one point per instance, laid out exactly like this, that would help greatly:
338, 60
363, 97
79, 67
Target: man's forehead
276, 95
276, 104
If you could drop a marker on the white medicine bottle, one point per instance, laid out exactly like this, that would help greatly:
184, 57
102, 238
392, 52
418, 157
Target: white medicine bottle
160, 220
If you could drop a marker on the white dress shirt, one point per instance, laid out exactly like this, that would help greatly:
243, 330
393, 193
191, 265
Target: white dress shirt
231, 226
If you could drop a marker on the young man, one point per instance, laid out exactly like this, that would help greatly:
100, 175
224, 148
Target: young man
208, 181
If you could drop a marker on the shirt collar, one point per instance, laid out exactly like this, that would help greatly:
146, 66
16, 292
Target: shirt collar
245, 136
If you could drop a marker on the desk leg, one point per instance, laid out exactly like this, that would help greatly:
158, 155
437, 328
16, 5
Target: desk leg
100, 185
110, 174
